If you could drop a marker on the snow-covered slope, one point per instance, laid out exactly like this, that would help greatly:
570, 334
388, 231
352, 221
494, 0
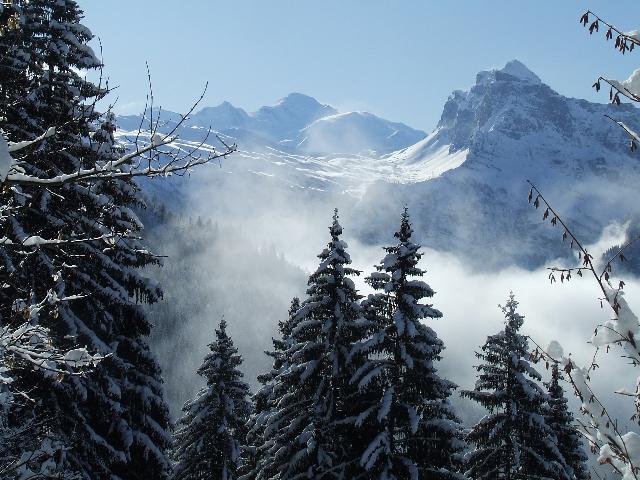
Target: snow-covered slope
465, 182
356, 132
427, 159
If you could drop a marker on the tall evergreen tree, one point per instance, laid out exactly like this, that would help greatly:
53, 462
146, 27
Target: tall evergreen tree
560, 420
211, 433
309, 434
407, 425
513, 441
253, 455
114, 420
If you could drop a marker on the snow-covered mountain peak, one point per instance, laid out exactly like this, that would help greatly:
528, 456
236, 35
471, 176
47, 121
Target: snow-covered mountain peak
509, 127
224, 114
295, 106
301, 102
512, 103
514, 70
291, 114
517, 69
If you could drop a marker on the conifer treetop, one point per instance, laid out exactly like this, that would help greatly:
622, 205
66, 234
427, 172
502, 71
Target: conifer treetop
212, 431
561, 421
222, 359
405, 232
409, 429
335, 228
514, 320
306, 432
395, 272
513, 440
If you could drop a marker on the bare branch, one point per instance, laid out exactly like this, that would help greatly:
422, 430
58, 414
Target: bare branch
624, 41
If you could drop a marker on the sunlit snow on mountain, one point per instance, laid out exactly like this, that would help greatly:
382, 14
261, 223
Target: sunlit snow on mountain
465, 182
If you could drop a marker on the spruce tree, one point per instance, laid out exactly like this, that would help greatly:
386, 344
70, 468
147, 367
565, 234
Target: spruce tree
253, 455
513, 441
211, 433
114, 421
407, 426
309, 433
560, 420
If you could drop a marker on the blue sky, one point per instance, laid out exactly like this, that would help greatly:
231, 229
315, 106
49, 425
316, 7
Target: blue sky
398, 59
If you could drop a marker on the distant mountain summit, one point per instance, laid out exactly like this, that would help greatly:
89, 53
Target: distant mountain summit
291, 114
224, 114
512, 101
514, 68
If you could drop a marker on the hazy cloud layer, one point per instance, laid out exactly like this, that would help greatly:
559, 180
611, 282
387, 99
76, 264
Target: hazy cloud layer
266, 245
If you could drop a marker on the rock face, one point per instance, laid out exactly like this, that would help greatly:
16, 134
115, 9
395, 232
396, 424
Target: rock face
465, 183
514, 128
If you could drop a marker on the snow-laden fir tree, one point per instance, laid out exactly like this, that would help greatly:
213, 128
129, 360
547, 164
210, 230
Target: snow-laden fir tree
560, 420
210, 435
309, 434
26, 449
114, 420
253, 455
408, 427
513, 441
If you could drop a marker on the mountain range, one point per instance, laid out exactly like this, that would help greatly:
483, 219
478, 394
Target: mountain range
299, 123
465, 182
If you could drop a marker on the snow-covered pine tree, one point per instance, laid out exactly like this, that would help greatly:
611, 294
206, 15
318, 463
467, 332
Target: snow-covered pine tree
262, 400
407, 425
114, 420
560, 420
309, 434
210, 435
513, 441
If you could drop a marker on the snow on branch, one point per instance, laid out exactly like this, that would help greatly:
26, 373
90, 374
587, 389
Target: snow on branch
625, 41
623, 329
37, 241
620, 451
30, 343
629, 88
146, 158
635, 137
14, 147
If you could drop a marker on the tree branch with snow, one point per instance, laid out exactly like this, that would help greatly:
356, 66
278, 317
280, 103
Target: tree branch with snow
621, 451
147, 157
629, 88
29, 346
